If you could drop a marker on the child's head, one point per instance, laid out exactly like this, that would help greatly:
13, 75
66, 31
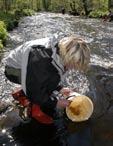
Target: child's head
74, 52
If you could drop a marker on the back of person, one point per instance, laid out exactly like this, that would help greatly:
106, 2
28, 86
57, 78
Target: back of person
16, 61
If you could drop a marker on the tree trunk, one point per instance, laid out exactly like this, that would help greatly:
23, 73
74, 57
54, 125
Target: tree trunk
5, 6
110, 4
38, 5
85, 7
46, 4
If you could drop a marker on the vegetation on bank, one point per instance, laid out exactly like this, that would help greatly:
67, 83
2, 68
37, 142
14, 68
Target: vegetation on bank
12, 10
3, 34
9, 20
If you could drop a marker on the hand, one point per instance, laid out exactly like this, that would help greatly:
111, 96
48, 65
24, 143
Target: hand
65, 91
63, 103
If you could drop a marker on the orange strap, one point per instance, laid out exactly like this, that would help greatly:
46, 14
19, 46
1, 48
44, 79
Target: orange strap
35, 111
40, 116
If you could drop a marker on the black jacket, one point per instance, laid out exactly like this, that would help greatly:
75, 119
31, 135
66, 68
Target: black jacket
42, 79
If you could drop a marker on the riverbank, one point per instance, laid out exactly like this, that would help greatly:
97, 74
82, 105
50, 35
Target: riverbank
9, 20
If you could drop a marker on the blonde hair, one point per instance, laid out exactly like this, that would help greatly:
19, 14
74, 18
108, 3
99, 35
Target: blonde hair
74, 52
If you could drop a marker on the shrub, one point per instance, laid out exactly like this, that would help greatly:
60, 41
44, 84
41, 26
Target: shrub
3, 32
97, 14
8, 20
1, 45
28, 12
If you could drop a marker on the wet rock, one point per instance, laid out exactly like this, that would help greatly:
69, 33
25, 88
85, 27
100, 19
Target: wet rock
109, 87
9, 119
100, 100
3, 107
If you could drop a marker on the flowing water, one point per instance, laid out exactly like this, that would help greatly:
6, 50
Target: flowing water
97, 83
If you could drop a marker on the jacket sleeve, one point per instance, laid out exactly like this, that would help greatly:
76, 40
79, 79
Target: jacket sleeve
41, 80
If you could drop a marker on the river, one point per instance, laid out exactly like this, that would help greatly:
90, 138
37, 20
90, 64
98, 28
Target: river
97, 83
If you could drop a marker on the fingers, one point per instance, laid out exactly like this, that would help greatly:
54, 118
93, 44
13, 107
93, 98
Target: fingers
63, 103
65, 91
